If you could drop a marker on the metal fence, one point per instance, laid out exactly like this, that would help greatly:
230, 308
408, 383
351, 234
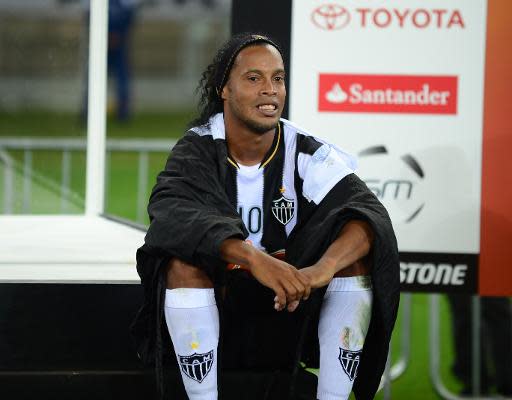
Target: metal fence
67, 147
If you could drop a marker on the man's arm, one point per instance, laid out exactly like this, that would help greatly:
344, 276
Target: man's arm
344, 255
287, 282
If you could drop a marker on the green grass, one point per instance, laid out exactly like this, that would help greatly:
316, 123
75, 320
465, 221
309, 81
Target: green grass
415, 382
143, 125
121, 195
121, 190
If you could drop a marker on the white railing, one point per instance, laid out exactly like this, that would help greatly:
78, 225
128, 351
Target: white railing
68, 146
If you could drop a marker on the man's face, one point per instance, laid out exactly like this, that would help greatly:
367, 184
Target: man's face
255, 92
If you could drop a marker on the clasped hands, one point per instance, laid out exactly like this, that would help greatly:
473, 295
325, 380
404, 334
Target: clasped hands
290, 284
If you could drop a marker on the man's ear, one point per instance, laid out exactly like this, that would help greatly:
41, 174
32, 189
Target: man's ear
224, 92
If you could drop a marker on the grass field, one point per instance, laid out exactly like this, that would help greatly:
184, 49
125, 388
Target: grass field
121, 190
122, 200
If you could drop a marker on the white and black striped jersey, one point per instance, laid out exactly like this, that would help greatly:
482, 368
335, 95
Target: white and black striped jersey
276, 195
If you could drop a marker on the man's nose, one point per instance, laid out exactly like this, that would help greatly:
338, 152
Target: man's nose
269, 88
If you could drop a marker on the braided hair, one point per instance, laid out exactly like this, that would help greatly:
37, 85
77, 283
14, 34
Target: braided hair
217, 73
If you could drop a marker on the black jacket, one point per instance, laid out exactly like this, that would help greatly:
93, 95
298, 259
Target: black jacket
191, 215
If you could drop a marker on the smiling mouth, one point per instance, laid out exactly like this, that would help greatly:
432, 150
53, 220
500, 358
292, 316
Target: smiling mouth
267, 107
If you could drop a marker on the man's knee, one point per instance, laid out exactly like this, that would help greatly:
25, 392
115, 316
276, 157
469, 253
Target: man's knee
183, 275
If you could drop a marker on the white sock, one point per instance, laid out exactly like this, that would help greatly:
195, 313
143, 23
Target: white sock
344, 320
193, 322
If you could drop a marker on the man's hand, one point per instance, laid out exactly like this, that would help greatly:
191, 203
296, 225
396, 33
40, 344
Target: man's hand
344, 257
319, 274
289, 285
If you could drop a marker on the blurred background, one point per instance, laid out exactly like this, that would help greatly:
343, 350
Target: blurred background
157, 52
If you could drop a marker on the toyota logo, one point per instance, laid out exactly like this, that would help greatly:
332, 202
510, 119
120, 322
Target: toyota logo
330, 17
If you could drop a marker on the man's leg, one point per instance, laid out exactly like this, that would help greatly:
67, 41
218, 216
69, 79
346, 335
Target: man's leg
344, 320
193, 322
462, 318
497, 318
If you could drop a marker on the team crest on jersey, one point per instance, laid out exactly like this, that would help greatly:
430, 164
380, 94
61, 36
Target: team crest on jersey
349, 361
283, 209
196, 366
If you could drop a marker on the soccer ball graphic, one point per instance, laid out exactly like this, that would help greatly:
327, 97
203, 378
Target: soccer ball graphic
396, 180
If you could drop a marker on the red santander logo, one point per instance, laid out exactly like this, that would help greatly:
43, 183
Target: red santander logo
332, 16
413, 94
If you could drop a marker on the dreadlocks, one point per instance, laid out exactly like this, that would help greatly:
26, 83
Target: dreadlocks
217, 73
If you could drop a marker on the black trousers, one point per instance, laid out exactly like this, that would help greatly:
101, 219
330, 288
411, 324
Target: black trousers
495, 341
256, 336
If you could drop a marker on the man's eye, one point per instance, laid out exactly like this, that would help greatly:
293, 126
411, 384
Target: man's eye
253, 78
279, 79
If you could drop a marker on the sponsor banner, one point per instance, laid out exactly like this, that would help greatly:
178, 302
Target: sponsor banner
387, 94
400, 84
333, 16
441, 273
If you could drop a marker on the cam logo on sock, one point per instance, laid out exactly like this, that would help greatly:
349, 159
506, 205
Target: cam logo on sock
196, 366
349, 360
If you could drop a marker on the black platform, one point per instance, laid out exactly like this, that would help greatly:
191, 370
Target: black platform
73, 342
